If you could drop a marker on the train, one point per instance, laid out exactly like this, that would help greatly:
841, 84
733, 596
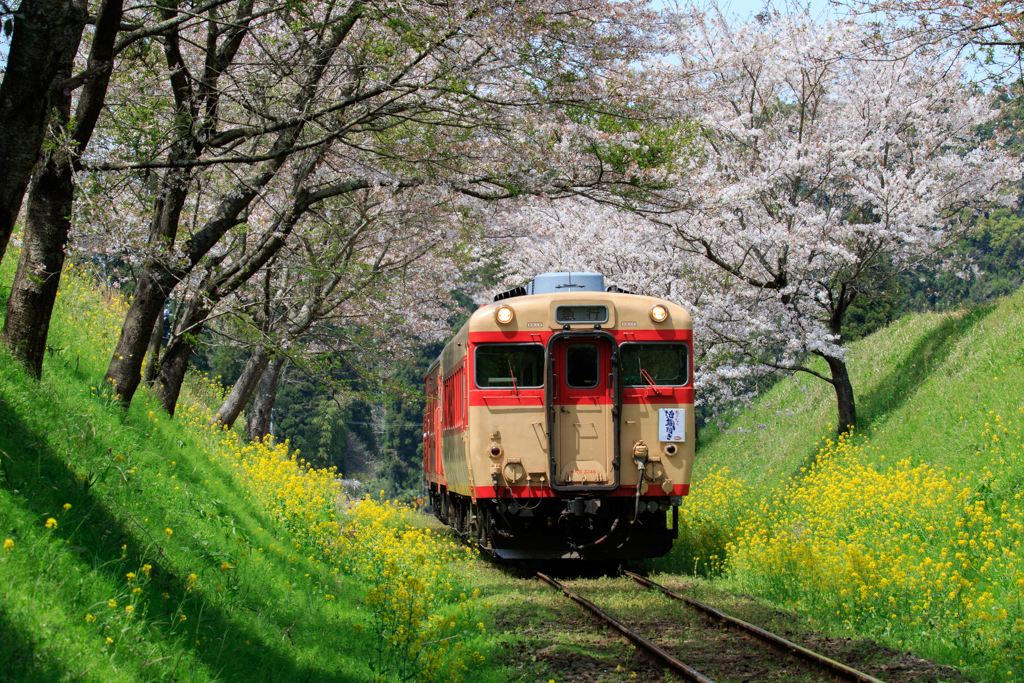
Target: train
560, 422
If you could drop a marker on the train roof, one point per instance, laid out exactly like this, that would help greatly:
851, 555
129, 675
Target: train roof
538, 312
535, 305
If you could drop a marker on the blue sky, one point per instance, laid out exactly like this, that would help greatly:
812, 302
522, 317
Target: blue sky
744, 9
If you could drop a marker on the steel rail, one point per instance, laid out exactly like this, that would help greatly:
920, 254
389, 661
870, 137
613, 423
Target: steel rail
829, 665
658, 653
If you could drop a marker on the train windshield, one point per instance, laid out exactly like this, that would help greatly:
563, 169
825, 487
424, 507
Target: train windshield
504, 366
659, 363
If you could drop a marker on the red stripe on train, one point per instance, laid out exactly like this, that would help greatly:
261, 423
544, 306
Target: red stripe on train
546, 492
490, 398
543, 336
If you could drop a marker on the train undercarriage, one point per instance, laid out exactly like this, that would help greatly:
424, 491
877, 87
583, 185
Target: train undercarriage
588, 528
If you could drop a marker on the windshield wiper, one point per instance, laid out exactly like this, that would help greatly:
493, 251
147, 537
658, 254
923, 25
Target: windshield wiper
512, 374
646, 375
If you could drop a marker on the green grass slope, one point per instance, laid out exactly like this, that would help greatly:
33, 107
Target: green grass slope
134, 551
925, 384
911, 531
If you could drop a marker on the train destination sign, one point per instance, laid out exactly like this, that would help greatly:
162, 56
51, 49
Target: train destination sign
581, 314
671, 424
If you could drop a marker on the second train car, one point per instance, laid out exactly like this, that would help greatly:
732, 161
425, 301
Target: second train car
560, 422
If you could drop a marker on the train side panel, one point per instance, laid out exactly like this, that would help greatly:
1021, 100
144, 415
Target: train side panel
454, 427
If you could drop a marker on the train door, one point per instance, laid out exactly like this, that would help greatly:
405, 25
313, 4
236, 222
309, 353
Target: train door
583, 435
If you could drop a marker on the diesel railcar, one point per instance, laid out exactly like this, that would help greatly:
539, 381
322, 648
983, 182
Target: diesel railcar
560, 422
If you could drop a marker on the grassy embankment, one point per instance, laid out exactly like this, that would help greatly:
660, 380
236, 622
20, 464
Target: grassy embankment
909, 532
137, 547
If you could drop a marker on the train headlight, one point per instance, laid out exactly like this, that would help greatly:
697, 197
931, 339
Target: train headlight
505, 315
659, 313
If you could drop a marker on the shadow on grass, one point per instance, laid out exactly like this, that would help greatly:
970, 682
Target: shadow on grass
41, 481
927, 356
899, 385
20, 659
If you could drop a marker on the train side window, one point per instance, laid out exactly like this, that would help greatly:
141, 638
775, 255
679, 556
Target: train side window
582, 365
664, 363
502, 366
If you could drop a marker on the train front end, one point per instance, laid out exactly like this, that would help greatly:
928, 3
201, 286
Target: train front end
560, 422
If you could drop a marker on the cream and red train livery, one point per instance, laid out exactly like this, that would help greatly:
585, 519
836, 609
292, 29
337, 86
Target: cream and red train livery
548, 408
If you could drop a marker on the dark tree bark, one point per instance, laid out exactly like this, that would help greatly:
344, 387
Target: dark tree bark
257, 425
175, 359
242, 391
840, 375
47, 222
156, 338
37, 44
844, 395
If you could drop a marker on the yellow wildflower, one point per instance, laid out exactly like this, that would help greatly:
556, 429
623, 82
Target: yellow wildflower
51, 523
8, 545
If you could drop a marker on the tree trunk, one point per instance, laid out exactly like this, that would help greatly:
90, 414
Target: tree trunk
257, 426
844, 395
124, 372
175, 359
244, 387
156, 338
32, 62
47, 223
173, 366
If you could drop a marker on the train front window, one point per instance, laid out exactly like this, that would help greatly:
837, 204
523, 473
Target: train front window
582, 369
661, 363
507, 366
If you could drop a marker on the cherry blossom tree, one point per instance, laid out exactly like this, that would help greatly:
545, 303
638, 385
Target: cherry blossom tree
823, 169
361, 249
466, 96
989, 32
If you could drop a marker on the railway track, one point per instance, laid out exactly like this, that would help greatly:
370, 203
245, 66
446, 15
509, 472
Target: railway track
829, 666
